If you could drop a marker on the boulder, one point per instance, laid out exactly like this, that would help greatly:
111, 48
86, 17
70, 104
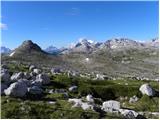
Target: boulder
27, 75
17, 76
79, 103
35, 90
25, 81
37, 71
36, 83
3, 87
43, 78
73, 88
128, 114
17, 89
56, 70
110, 106
90, 98
5, 76
60, 91
147, 89
32, 67
133, 99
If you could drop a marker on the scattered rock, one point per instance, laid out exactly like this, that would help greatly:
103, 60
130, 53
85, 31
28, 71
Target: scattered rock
5, 76
128, 114
90, 98
27, 75
110, 106
60, 91
32, 67
73, 89
51, 102
36, 83
133, 99
3, 87
35, 90
17, 89
56, 70
147, 89
25, 81
79, 103
37, 71
43, 78
17, 76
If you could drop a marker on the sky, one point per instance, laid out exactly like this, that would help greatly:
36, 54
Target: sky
62, 23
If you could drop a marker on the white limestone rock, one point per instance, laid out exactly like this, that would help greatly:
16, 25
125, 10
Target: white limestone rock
79, 103
110, 106
90, 98
128, 114
147, 89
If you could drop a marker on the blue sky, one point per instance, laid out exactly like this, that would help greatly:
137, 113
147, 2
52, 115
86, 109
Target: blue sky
62, 23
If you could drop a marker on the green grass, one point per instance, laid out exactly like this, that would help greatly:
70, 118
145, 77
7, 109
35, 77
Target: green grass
105, 89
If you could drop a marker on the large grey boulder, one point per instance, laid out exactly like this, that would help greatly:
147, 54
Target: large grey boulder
36, 83
17, 89
43, 78
3, 87
17, 76
35, 90
128, 114
25, 81
5, 76
147, 90
110, 106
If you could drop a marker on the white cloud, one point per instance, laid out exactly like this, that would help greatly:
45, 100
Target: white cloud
3, 26
73, 11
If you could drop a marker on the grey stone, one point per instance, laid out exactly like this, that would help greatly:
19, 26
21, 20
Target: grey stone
35, 90
73, 88
43, 78
17, 89
147, 89
110, 106
17, 76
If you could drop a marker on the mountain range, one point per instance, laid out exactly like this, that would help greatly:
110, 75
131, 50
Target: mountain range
117, 57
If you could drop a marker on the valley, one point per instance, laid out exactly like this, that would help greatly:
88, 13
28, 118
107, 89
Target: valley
115, 79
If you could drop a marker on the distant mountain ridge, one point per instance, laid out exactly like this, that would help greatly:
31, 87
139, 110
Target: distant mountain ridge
114, 57
5, 50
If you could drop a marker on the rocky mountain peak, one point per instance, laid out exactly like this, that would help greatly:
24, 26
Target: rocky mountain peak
28, 45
